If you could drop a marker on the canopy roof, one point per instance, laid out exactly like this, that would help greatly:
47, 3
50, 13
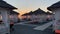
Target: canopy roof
54, 6
13, 12
4, 4
37, 12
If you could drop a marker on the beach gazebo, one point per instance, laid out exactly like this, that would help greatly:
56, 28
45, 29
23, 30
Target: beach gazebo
14, 16
39, 15
55, 8
5, 9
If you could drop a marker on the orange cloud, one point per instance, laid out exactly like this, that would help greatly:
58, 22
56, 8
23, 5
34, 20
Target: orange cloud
24, 11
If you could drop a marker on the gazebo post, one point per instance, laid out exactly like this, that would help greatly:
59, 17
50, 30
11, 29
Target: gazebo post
5, 19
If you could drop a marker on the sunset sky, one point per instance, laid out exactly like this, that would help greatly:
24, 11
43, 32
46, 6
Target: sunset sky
25, 6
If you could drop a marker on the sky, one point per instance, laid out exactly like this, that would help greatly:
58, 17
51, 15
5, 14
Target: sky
25, 6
